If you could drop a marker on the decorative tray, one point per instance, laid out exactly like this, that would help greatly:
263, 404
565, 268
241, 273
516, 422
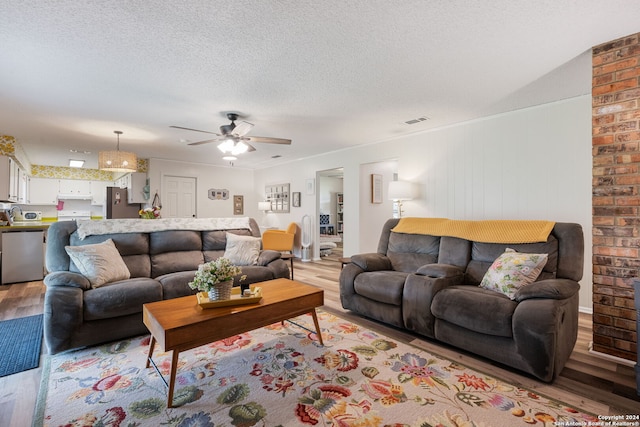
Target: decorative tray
236, 298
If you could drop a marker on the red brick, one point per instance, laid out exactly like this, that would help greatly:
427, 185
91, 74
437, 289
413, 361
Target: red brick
621, 252
615, 87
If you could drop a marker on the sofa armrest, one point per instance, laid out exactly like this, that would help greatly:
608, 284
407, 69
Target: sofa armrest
67, 278
549, 289
268, 256
371, 262
440, 271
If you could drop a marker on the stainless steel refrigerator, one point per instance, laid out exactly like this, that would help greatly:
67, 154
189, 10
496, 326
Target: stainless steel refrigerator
117, 206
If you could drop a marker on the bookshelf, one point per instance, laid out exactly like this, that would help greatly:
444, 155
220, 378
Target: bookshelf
339, 218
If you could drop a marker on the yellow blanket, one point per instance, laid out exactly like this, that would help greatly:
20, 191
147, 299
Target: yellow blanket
490, 231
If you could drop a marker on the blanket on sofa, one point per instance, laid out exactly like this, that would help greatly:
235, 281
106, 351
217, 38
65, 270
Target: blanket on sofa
135, 225
488, 231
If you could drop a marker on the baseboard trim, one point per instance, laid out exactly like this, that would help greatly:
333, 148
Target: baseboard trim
609, 357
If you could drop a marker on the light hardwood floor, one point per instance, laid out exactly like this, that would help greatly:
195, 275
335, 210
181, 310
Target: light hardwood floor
588, 382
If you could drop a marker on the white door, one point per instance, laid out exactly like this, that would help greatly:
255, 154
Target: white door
179, 197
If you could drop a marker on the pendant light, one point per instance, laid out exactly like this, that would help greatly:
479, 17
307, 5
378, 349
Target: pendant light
117, 161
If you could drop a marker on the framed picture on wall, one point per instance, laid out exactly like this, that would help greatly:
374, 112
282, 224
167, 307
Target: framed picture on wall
238, 205
376, 188
278, 196
310, 186
295, 199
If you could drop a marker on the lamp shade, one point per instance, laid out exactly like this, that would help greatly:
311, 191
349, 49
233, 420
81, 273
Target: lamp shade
264, 206
401, 190
117, 161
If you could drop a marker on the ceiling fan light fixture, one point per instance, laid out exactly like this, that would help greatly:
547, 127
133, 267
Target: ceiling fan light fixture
117, 161
233, 147
226, 146
239, 148
230, 158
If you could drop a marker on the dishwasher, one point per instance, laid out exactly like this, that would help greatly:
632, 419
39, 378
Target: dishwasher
22, 256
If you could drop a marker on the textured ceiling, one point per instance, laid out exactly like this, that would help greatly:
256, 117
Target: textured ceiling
326, 74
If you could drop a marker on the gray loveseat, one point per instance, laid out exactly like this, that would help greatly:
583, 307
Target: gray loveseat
160, 264
429, 285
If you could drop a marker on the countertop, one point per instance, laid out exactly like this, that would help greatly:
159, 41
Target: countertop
25, 225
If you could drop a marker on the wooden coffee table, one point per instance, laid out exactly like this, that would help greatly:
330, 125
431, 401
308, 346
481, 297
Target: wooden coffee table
180, 324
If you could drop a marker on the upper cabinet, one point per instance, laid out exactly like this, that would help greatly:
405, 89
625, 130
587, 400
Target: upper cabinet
47, 191
11, 179
75, 187
135, 184
99, 192
43, 191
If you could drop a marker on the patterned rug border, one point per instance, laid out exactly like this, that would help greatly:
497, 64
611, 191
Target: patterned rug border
365, 323
376, 327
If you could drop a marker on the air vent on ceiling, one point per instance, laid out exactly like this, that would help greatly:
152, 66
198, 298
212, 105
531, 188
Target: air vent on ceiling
418, 120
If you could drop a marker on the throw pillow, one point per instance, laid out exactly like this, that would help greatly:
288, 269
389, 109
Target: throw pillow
513, 270
242, 250
100, 263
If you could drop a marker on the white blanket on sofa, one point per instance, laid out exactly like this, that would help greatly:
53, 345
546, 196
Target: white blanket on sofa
134, 225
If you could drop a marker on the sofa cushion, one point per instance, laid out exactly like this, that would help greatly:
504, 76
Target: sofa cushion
216, 240
408, 252
381, 286
484, 254
176, 284
254, 273
476, 309
100, 263
120, 298
170, 262
512, 270
242, 250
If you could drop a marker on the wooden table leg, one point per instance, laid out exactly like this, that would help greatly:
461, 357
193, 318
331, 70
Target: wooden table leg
315, 322
152, 344
172, 378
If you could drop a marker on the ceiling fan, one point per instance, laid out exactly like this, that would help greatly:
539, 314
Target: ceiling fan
232, 137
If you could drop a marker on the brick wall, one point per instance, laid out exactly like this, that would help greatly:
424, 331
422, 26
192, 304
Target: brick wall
616, 194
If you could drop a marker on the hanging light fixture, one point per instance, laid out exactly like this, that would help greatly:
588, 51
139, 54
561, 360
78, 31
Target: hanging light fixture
233, 147
117, 161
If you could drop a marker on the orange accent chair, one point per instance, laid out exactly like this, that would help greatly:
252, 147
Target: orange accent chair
280, 240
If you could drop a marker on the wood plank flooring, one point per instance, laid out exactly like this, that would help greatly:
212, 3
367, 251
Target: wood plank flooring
591, 383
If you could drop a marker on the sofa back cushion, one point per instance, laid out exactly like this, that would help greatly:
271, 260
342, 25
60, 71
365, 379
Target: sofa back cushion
484, 254
408, 252
133, 247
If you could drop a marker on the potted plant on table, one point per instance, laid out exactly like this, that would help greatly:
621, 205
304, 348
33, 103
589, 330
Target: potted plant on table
216, 278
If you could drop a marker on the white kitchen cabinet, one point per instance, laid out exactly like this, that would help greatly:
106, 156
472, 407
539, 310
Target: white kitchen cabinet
23, 187
43, 191
135, 189
99, 192
9, 179
75, 187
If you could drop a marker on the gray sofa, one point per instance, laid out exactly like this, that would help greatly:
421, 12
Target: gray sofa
160, 264
429, 285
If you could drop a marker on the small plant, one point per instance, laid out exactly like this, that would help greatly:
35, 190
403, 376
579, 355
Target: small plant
214, 272
150, 213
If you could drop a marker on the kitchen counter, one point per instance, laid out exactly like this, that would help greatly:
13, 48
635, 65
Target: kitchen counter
25, 225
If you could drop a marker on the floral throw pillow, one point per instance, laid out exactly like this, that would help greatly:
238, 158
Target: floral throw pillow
513, 270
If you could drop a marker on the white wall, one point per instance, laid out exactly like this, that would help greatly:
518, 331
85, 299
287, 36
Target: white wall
237, 180
533, 163
377, 213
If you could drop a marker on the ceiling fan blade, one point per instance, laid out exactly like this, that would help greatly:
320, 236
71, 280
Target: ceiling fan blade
195, 130
251, 147
242, 128
266, 140
206, 141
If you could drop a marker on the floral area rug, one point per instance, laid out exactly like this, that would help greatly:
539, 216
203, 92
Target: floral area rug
281, 376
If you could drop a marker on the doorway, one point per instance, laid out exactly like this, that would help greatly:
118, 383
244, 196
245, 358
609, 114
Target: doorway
330, 213
179, 197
